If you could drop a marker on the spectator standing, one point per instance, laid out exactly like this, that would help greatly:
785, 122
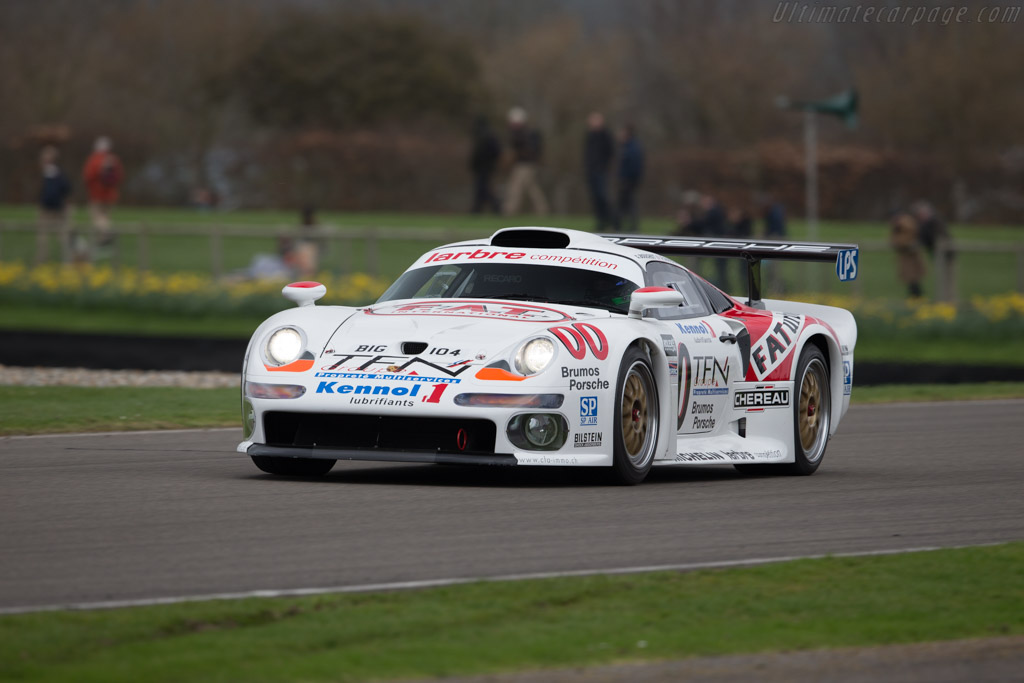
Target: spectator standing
103, 174
598, 150
714, 223
930, 228
741, 225
774, 215
527, 149
774, 220
53, 209
904, 238
483, 160
631, 173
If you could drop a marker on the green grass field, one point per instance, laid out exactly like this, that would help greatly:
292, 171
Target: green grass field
978, 274
513, 626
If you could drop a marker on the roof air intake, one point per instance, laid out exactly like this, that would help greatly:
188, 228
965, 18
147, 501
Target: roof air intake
541, 239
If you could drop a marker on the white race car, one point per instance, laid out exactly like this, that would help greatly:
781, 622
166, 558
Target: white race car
543, 346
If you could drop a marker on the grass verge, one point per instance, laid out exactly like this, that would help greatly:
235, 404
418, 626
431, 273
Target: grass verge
489, 627
44, 410
52, 410
937, 392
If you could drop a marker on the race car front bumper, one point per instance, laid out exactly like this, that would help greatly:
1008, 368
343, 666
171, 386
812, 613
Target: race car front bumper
505, 459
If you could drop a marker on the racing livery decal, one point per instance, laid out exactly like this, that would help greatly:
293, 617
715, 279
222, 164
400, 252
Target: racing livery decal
468, 308
685, 380
761, 397
582, 336
776, 341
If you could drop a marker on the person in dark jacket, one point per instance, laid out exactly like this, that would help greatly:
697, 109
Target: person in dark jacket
714, 223
930, 228
598, 150
774, 215
483, 160
527, 148
631, 172
53, 210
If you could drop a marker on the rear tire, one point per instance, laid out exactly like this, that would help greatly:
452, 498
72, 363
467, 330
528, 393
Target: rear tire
812, 417
636, 422
293, 467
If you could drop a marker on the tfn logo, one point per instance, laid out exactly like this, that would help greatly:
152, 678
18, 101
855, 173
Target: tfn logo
588, 410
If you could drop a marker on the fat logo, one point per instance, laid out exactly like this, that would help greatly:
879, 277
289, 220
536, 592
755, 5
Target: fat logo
588, 411
777, 343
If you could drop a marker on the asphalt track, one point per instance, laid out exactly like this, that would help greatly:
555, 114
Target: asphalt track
125, 517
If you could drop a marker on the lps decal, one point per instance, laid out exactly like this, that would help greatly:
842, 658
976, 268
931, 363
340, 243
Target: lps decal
777, 343
578, 337
588, 411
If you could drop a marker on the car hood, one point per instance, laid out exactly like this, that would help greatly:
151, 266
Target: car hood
447, 332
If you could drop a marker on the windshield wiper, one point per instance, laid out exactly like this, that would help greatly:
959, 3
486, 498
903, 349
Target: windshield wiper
521, 297
593, 303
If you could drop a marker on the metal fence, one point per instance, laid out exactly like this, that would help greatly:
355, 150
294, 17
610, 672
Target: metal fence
146, 246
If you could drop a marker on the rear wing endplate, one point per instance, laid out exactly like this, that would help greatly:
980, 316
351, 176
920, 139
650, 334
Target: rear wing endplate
845, 256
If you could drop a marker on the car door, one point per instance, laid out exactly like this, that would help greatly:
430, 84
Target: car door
707, 352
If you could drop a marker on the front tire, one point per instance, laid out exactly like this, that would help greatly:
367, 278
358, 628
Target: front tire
637, 420
293, 467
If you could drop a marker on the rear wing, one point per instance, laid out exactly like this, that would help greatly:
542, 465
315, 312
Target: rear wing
845, 256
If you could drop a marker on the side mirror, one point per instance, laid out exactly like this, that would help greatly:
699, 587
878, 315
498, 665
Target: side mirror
303, 293
653, 297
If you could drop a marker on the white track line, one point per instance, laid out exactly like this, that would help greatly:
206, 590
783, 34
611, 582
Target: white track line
439, 583
78, 435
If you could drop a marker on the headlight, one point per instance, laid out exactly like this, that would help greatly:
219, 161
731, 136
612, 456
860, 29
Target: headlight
284, 346
534, 356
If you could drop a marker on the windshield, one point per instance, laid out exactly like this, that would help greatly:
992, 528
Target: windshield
553, 284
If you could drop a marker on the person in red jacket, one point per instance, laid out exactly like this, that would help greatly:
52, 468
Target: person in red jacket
102, 174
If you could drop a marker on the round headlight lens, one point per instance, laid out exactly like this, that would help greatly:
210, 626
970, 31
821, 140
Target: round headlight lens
534, 356
284, 346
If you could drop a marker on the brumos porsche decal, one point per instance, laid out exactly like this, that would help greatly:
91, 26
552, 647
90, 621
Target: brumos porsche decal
466, 308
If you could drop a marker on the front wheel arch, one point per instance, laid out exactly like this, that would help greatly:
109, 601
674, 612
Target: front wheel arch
636, 417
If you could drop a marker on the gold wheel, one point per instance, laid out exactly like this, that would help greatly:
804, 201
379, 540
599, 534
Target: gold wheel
638, 415
813, 410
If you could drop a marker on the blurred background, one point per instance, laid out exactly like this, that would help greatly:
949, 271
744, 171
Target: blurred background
259, 140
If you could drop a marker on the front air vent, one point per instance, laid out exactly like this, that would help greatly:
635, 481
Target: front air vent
413, 348
541, 239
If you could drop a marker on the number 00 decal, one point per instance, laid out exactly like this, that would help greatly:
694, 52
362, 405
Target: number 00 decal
578, 337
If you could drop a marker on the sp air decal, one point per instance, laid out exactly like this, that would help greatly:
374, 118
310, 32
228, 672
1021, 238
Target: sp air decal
776, 345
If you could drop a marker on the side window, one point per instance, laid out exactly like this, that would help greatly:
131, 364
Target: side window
719, 302
661, 274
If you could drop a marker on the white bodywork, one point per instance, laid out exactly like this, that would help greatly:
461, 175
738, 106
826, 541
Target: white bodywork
718, 416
